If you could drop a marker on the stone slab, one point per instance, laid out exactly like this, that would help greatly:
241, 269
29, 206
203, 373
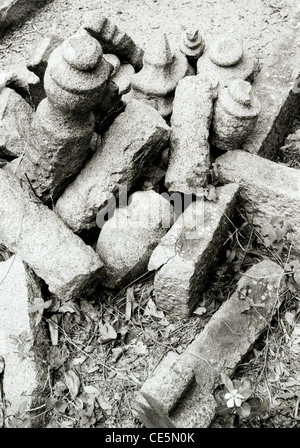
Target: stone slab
126, 149
277, 88
268, 189
183, 385
188, 253
23, 380
34, 232
15, 120
13, 12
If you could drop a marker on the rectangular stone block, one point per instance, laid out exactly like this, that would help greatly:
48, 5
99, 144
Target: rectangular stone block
268, 189
278, 88
133, 140
183, 385
189, 163
34, 232
23, 379
189, 252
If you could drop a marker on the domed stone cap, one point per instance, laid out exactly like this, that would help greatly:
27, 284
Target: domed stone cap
226, 52
82, 52
238, 100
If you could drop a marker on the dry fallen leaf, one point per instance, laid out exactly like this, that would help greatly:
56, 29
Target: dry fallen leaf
151, 310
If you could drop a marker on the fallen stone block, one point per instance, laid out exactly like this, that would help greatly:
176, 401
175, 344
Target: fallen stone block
181, 389
189, 163
127, 240
35, 233
126, 149
13, 12
38, 63
23, 81
189, 252
268, 190
277, 87
112, 39
23, 378
15, 120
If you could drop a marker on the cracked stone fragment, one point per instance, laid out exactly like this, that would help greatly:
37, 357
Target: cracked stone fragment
127, 240
132, 141
189, 162
187, 254
15, 119
268, 189
183, 385
23, 379
38, 63
112, 39
35, 233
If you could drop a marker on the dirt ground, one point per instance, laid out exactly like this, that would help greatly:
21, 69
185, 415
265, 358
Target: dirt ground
113, 342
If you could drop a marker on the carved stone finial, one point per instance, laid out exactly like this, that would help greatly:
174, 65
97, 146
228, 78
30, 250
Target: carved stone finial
192, 44
112, 39
155, 84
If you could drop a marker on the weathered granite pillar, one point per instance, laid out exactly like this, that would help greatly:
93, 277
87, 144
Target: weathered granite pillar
189, 161
235, 115
183, 386
61, 131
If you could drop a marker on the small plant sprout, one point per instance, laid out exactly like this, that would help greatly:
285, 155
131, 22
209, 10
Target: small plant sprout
235, 398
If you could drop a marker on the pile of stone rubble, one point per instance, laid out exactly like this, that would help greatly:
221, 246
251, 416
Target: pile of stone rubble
82, 125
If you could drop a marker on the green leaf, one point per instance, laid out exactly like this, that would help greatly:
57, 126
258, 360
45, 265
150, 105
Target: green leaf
107, 333
91, 390
223, 410
245, 388
72, 382
226, 381
245, 410
219, 397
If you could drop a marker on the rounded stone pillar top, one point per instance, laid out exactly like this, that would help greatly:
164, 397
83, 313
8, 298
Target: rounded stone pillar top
226, 60
82, 52
226, 51
78, 66
238, 99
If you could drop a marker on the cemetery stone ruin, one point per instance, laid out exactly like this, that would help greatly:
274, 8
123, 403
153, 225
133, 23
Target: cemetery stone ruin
73, 180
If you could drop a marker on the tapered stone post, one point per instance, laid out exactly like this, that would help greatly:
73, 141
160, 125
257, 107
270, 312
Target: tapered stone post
62, 129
